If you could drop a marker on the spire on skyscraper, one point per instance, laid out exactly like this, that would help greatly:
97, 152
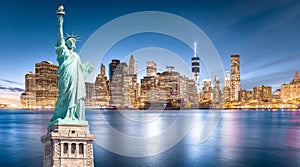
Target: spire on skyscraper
195, 66
132, 65
296, 77
102, 70
195, 49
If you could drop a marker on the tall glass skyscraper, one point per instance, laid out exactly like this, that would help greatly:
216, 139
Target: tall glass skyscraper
235, 77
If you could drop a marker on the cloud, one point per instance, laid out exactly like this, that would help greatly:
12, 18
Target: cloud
11, 82
281, 61
275, 79
8, 86
11, 89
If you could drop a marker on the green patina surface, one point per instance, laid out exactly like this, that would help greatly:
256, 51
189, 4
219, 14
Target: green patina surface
69, 108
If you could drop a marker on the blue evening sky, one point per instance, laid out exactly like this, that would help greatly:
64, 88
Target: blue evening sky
264, 33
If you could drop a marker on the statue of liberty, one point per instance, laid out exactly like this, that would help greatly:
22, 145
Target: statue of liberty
69, 106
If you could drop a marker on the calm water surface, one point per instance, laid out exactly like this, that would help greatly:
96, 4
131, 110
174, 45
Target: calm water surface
241, 138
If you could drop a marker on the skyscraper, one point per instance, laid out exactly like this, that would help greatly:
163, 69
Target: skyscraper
291, 90
151, 68
226, 90
227, 79
188, 92
90, 94
195, 66
119, 89
41, 88
28, 98
262, 93
216, 90
112, 67
235, 77
123, 83
102, 88
206, 94
131, 79
207, 86
132, 66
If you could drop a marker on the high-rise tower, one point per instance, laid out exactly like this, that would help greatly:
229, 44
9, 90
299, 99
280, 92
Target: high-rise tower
151, 68
235, 77
112, 67
132, 66
227, 79
226, 90
195, 66
216, 90
102, 88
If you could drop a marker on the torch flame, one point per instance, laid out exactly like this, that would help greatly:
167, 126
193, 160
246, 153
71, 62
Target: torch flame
61, 8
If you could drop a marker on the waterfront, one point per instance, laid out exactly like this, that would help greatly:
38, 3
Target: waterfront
242, 138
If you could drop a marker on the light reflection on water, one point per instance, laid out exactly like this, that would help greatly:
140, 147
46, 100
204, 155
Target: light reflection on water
242, 138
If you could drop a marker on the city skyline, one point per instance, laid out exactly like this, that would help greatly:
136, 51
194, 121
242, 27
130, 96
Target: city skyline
265, 36
169, 89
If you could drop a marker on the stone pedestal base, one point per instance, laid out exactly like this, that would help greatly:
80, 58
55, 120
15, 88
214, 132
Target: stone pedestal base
68, 145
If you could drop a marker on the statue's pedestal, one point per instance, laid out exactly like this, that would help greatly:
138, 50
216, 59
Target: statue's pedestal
68, 145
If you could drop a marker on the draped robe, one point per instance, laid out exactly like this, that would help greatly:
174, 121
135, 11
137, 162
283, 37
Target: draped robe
71, 85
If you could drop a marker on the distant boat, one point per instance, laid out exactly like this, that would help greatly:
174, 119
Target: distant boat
107, 108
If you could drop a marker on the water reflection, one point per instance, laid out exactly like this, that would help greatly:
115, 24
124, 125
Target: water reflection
156, 136
242, 138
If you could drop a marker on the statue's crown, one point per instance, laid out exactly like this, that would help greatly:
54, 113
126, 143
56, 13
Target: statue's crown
72, 36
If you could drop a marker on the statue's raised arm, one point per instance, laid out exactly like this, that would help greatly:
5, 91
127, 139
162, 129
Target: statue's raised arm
60, 13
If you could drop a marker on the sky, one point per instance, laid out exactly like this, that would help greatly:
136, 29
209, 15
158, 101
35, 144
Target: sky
264, 33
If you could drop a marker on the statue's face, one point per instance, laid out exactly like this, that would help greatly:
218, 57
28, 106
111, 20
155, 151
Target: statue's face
71, 43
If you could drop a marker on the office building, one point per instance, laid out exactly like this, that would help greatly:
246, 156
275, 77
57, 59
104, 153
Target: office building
102, 88
262, 93
151, 69
235, 77
292, 90
41, 87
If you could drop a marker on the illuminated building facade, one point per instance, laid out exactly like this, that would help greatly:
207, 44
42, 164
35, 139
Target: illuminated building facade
292, 90
235, 77
168, 87
245, 95
168, 84
226, 90
206, 94
188, 93
41, 88
131, 79
262, 93
28, 97
151, 69
277, 94
113, 67
149, 89
118, 89
102, 88
123, 83
216, 91
90, 94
